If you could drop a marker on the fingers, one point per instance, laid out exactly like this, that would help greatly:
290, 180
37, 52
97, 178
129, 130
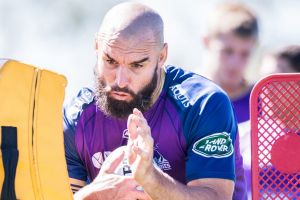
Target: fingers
144, 154
134, 190
136, 119
137, 112
113, 163
137, 125
140, 150
131, 126
140, 140
130, 155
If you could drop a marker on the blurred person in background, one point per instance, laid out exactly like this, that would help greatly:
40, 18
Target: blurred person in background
231, 38
284, 60
279, 117
182, 122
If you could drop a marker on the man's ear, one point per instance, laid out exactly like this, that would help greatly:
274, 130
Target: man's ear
96, 44
163, 55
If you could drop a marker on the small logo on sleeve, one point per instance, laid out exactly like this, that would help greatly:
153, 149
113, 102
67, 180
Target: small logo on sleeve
217, 145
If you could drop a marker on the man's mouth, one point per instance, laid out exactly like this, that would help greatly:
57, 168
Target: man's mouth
122, 96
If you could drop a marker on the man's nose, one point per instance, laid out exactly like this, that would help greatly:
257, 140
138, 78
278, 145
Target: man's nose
122, 78
237, 62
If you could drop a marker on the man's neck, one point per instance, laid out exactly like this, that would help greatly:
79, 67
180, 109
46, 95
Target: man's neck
235, 91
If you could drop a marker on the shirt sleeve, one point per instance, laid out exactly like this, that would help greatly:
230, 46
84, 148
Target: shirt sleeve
75, 166
212, 129
71, 114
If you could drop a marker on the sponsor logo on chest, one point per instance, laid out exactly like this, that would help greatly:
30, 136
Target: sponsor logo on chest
99, 157
180, 94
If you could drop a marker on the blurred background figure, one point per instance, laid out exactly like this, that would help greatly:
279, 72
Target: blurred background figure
231, 39
284, 60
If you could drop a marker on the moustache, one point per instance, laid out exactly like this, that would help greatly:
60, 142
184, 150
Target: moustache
125, 90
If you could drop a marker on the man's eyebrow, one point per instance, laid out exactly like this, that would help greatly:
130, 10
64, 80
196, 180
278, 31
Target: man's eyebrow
134, 62
108, 56
140, 61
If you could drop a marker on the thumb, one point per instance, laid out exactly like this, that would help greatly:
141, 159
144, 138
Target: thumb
112, 162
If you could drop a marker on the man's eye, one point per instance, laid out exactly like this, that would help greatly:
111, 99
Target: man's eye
111, 62
136, 65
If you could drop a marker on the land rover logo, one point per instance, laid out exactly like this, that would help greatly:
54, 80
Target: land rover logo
217, 145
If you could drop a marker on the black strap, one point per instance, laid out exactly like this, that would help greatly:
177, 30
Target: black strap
10, 155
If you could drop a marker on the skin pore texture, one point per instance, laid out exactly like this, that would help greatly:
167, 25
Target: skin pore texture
130, 54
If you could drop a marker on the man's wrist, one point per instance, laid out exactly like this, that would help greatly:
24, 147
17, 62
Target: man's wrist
149, 177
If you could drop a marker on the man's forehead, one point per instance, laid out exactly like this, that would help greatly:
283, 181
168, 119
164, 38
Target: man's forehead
123, 37
135, 22
231, 40
120, 44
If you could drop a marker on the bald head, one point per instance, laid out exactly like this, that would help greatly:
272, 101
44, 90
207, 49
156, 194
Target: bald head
132, 21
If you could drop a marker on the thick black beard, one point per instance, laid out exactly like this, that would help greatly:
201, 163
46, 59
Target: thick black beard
122, 109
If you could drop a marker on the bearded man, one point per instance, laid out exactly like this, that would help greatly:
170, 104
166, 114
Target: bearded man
178, 128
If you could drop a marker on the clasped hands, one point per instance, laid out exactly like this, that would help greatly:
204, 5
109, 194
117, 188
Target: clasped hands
139, 152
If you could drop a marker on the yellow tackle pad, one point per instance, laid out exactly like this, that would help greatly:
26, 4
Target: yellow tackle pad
31, 102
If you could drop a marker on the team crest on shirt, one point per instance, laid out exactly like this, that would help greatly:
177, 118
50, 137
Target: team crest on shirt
125, 134
217, 145
160, 160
